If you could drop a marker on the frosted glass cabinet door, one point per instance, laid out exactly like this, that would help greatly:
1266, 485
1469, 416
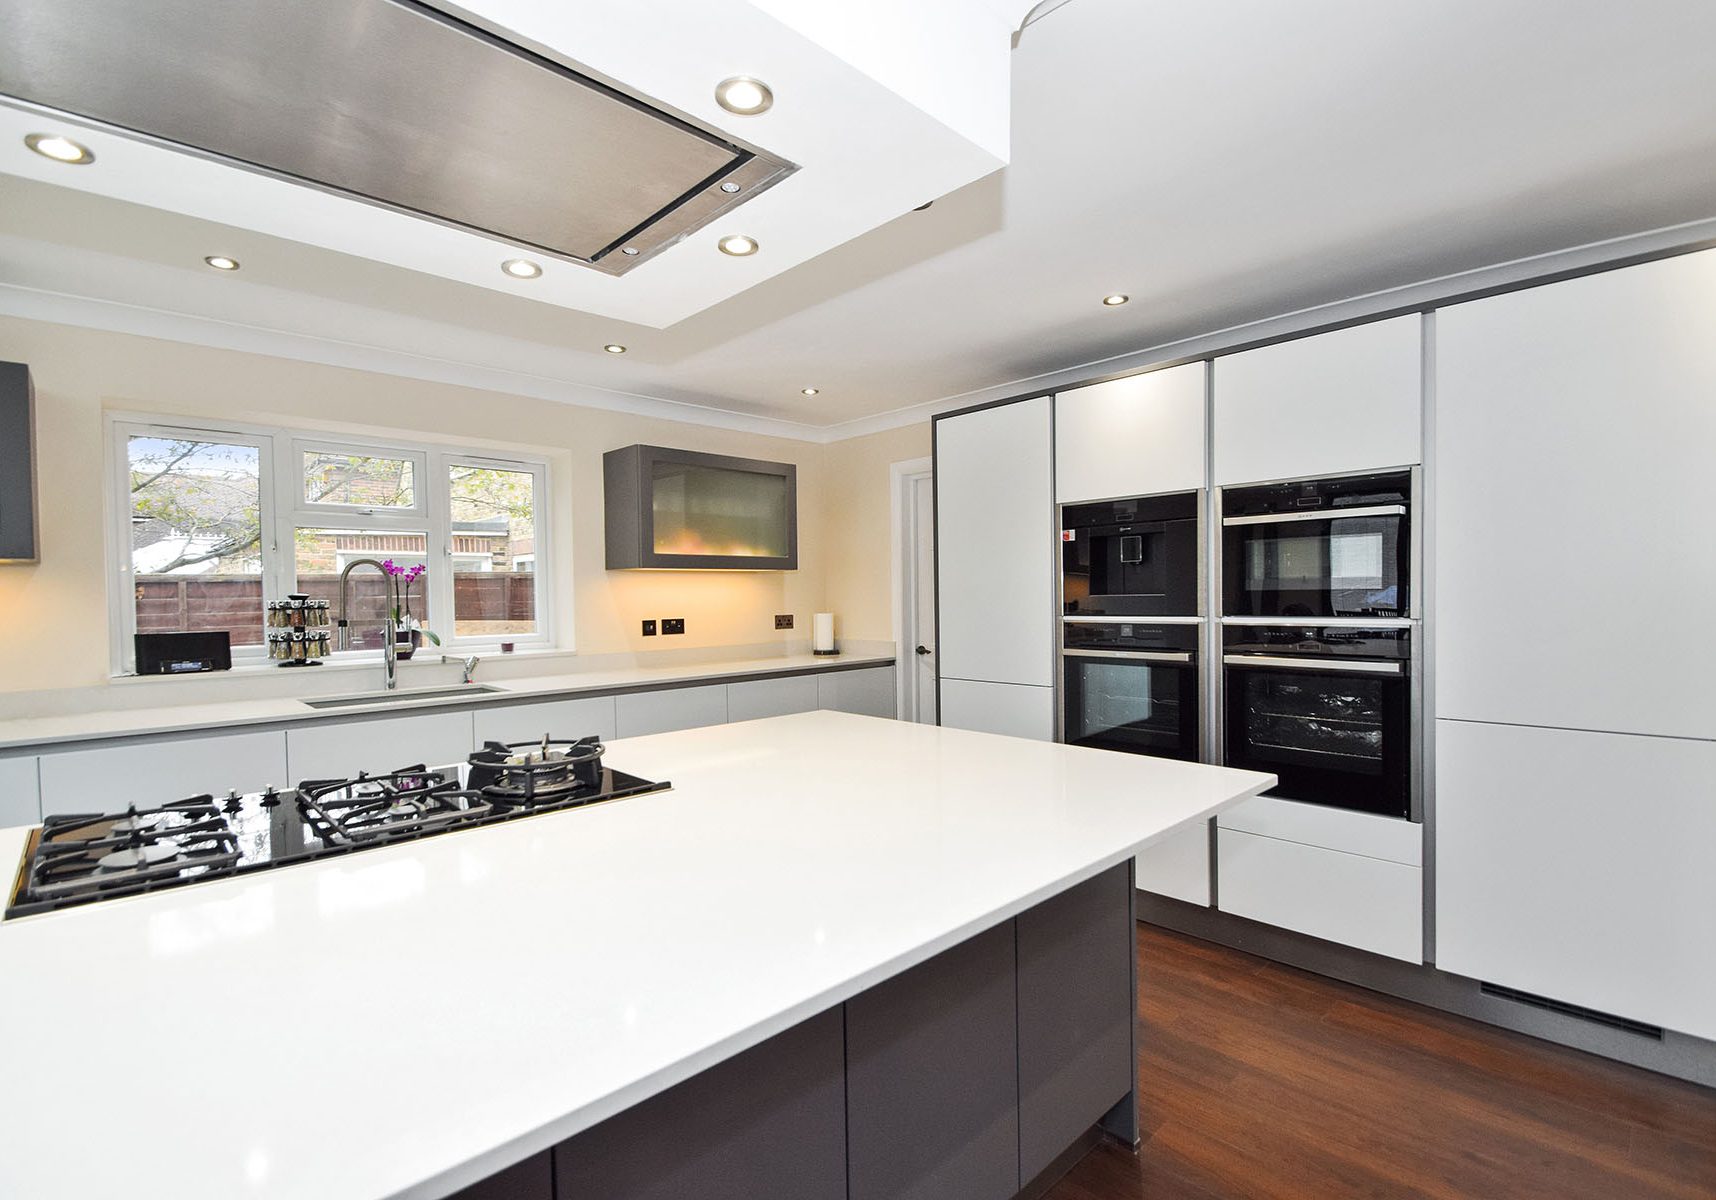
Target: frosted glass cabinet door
995, 544
1131, 437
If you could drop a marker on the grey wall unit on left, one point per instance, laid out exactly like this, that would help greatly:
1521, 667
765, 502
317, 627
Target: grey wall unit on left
19, 526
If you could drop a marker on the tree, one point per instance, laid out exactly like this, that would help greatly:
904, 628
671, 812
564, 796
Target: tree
203, 495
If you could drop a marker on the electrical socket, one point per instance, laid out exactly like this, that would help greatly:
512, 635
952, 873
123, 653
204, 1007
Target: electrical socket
672, 625
783, 620
649, 628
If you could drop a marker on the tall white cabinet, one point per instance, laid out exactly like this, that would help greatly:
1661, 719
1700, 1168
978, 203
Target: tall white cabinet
1139, 436
1576, 726
996, 575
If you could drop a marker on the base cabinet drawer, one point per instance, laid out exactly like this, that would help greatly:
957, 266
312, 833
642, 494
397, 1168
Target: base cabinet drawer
162, 770
869, 693
1178, 866
343, 749
1368, 903
577, 718
638, 713
752, 699
20, 799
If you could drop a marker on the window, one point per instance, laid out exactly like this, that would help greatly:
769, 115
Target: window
217, 523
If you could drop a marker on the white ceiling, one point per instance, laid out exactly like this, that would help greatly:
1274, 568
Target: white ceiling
1221, 162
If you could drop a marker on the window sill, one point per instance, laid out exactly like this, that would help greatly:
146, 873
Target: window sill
423, 657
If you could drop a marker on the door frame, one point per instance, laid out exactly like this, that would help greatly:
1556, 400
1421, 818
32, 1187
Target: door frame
902, 476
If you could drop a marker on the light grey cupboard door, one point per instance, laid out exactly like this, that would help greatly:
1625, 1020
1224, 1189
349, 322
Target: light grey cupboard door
344, 748
1574, 486
753, 698
996, 546
638, 713
577, 717
1076, 1017
162, 770
1331, 403
1131, 437
1006, 708
768, 1123
870, 692
932, 1095
20, 800
1577, 866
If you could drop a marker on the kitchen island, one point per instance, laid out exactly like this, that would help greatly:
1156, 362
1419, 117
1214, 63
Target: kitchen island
833, 908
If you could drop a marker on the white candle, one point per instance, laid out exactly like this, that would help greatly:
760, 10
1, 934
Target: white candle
822, 633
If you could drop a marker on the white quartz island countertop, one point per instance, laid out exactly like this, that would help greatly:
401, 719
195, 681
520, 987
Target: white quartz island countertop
407, 1020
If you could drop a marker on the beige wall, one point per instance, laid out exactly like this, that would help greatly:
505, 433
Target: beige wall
53, 616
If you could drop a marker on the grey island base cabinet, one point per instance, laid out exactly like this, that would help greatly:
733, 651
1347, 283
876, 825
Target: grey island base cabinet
979, 1074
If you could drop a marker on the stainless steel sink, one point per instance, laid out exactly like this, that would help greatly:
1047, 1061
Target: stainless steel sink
403, 697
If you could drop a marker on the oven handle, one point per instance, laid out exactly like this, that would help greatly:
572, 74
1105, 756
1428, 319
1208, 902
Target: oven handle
1326, 514
1355, 667
1161, 656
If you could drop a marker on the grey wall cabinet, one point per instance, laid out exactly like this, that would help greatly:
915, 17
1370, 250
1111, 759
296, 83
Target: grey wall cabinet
931, 1083
770, 1122
18, 522
668, 509
1075, 1014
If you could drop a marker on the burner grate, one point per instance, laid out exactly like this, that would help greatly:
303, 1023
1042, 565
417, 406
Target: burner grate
109, 855
410, 803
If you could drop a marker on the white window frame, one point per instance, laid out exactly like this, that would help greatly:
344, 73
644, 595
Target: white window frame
284, 510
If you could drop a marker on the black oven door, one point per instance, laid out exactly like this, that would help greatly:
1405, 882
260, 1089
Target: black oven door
1132, 688
1335, 733
1316, 565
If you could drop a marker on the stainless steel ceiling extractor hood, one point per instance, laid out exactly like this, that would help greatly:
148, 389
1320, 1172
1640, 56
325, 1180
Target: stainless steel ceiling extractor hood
393, 103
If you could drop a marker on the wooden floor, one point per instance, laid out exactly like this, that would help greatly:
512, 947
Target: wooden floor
1258, 1080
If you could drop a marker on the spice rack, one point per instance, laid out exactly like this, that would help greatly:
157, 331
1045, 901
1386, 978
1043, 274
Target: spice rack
298, 631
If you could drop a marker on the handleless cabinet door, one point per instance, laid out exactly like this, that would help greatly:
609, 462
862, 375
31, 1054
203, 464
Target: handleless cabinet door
1131, 437
1011, 709
1331, 403
1574, 570
869, 692
754, 698
582, 716
161, 770
638, 713
334, 751
995, 544
20, 800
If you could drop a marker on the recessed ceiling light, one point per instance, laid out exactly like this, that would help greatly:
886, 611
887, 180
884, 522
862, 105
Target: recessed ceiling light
737, 244
221, 262
521, 268
743, 95
808, 391
614, 348
628, 250
60, 149
729, 187
1116, 300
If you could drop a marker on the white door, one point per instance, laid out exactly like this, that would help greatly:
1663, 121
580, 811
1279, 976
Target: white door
921, 617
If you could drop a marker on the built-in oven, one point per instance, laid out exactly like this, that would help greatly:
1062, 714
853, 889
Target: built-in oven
1318, 548
1327, 709
1136, 558
1131, 686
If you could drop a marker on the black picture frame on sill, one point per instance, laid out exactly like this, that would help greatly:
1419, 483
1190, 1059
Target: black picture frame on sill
631, 476
20, 540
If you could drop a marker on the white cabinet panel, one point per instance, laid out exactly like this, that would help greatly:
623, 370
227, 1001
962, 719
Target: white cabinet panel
1574, 436
1368, 903
20, 801
347, 747
869, 692
672, 708
1578, 866
995, 544
161, 770
578, 717
754, 698
1131, 437
1009, 708
1178, 866
1331, 828
1336, 402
